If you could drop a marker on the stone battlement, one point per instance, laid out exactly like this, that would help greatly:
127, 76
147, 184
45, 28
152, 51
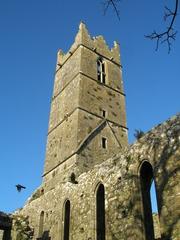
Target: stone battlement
95, 44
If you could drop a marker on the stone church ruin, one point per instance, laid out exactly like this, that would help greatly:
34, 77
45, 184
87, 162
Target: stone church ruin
95, 185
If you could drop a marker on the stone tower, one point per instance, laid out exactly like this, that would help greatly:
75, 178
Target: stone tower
87, 120
93, 187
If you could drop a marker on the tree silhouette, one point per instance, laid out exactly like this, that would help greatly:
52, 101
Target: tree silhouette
138, 134
165, 36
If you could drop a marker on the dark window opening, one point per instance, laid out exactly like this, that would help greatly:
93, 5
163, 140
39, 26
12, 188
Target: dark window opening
103, 73
41, 224
99, 61
99, 70
147, 178
5, 234
104, 142
66, 220
104, 113
101, 76
100, 213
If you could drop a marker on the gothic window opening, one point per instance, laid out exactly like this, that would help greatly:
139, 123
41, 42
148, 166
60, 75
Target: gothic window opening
156, 222
104, 142
66, 220
100, 213
101, 76
41, 224
153, 197
147, 180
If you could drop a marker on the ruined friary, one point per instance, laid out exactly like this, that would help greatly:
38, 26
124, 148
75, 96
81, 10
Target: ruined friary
95, 185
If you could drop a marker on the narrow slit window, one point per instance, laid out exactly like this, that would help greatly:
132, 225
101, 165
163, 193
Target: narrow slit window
103, 73
104, 113
66, 220
104, 142
100, 213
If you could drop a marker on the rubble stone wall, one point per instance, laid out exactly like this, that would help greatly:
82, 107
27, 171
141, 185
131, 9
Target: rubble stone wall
123, 201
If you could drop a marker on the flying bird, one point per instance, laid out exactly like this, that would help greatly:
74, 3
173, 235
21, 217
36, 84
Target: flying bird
19, 187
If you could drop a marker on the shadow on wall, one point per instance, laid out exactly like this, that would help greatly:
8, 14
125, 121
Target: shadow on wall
161, 147
168, 183
164, 158
45, 236
5, 226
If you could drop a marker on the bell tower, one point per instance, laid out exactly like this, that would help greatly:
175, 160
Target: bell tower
87, 122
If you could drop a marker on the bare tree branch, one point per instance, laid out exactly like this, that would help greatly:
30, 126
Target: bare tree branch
170, 34
114, 4
161, 37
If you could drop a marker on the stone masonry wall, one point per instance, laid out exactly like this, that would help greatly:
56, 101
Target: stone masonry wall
123, 203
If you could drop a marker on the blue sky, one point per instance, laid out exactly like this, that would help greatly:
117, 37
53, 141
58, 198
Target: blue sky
31, 32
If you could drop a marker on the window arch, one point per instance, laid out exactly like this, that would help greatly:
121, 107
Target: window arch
101, 76
67, 207
41, 224
146, 179
100, 213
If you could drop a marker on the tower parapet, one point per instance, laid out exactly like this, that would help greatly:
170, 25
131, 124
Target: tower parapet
97, 44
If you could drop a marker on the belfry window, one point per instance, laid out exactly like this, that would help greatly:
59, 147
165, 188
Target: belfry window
147, 181
66, 220
100, 213
101, 76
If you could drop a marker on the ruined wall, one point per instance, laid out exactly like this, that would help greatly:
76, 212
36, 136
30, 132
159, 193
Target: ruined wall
5, 226
20, 228
123, 201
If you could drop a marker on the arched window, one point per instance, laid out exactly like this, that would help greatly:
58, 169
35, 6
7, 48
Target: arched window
41, 224
66, 219
100, 213
101, 76
147, 178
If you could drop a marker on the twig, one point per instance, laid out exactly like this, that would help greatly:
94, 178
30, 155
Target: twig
170, 34
114, 4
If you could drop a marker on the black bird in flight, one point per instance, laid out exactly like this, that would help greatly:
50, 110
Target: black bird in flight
19, 187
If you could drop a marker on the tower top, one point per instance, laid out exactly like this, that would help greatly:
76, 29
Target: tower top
97, 44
